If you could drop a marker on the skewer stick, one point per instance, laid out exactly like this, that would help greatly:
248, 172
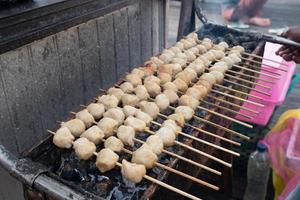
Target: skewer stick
221, 127
256, 72
149, 178
235, 105
179, 173
237, 91
173, 154
217, 136
185, 159
238, 98
250, 76
247, 81
262, 69
203, 141
226, 117
257, 62
250, 88
263, 58
157, 181
197, 151
227, 109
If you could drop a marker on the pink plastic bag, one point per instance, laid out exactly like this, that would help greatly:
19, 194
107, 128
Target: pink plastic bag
281, 145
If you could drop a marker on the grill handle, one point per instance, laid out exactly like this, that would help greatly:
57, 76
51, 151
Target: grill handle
33, 175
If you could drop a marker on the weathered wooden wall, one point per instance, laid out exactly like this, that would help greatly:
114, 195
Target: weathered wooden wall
43, 81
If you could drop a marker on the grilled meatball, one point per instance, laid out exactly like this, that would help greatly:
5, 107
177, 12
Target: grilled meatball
209, 78
106, 160
96, 109
218, 54
84, 148
195, 93
138, 72
199, 67
192, 74
223, 44
126, 134
152, 79
164, 77
172, 124
235, 57
202, 89
172, 96
137, 124
204, 60
114, 144
145, 156
180, 45
108, 125
182, 56
170, 86
180, 84
93, 134
117, 92
86, 117
63, 138
162, 101
176, 68
168, 52
186, 111
126, 87
141, 92
175, 49
190, 55
150, 108
132, 171
167, 135
153, 89
195, 50
134, 79
209, 56
166, 57
180, 61
157, 61
116, 114
109, 101
143, 116
218, 75
229, 61
76, 126
130, 100
129, 111
202, 49
205, 84
155, 143
238, 48
178, 118
189, 101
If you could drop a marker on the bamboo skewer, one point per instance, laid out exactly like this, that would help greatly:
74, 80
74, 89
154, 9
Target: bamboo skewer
257, 62
203, 141
251, 82
227, 109
179, 173
235, 105
221, 127
250, 88
256, 72
185, 159
226, 117
250, 76
167, 185
262, 69
197, 151
238, 98
237, 91
263, 58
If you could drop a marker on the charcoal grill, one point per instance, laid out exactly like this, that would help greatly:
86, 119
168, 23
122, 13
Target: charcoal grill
51, 173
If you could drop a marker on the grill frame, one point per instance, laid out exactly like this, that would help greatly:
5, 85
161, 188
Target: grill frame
47, 176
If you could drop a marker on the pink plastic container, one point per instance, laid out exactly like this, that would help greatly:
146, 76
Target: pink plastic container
278, 90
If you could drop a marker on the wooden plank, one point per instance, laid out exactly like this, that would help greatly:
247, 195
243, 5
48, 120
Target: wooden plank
106, 48
20, 87
121, 41
90, 60
71, 71
7, 133
47, 75
134, 35
155, 26
146, 33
